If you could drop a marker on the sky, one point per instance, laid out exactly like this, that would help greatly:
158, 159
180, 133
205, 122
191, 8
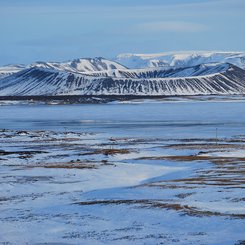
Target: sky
59, 30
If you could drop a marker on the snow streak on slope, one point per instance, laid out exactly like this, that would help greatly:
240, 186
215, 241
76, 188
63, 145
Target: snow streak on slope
161, 72
41, 81
180, 59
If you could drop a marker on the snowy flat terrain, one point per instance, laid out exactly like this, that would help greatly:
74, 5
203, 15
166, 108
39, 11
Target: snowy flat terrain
139, 172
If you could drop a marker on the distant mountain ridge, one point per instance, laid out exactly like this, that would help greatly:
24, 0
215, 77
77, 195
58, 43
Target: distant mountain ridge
196, 73
180, 59
77, 65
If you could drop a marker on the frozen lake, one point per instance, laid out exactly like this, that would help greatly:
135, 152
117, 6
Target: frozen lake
165, 119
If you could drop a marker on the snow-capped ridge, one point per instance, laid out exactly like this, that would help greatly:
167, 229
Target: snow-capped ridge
229, 79
82, 65
79, 65
10, 69
181, 59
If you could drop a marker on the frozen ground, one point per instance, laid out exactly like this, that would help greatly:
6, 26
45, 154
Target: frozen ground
123, 174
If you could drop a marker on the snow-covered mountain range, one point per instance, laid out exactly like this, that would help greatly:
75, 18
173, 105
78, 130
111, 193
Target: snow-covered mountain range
188, 73
180, 59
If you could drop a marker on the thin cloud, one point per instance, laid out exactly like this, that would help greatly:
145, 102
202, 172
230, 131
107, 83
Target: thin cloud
171, 26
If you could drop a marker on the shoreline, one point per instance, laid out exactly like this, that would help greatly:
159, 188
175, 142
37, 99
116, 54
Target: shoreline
70, 99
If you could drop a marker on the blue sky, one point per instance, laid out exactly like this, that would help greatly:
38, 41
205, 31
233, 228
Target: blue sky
57, 30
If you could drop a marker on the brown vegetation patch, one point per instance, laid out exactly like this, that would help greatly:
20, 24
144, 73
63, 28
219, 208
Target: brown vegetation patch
165, 185
179, 158
190, 158
69, 166
146, 203
5, 153
184, 195
214, 140
205, 146
107, 152
47, 140
203, 181
211, 181
66, 165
